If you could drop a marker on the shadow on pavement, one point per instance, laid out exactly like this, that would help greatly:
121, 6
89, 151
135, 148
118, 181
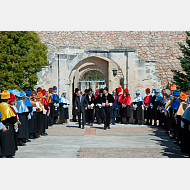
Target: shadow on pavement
70, 126
170, 149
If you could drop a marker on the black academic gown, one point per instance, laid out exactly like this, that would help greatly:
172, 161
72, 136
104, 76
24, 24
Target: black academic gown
162, 116
31, 122
7, 138
74, 111
107, 110
152, 110
90, 112
137, 114
185, 143
99, 111
23, 132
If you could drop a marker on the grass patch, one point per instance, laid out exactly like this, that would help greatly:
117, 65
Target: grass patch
79, 150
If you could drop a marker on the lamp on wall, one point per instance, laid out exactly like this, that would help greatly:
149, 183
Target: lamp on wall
114, 71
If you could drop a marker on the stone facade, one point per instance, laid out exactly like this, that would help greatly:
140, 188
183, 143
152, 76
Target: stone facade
159, 47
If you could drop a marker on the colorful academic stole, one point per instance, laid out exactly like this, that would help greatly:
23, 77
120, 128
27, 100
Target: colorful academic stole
106, 99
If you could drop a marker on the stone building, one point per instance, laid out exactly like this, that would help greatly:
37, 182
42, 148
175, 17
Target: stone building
140, 59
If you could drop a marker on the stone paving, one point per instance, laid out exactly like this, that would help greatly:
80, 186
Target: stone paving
121, 141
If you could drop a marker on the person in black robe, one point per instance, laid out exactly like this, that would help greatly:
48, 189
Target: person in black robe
8, 119
114, 107
2, 129
63, 105
36, 113
107, 104
86, 115
137, 106
99, 110
185, 141
173, 110
50, 101
74, 112
55, 98
23, 132
156, 104
90, 111
147, 108
30, 116
120, 101
161, 105
152, 105
126, 105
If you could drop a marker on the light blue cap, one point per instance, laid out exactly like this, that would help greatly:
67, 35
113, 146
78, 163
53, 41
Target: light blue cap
166, 91
138, 91
16, 92
64, 91
158, 90
22, 93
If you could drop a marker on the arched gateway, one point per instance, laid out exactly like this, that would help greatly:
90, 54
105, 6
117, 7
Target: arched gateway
120, 66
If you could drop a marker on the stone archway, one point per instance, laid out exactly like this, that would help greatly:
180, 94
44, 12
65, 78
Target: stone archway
103, 65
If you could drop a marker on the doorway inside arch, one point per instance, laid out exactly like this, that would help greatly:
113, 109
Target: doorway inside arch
92, 79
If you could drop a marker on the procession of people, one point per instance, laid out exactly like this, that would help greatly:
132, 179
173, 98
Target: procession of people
27, 114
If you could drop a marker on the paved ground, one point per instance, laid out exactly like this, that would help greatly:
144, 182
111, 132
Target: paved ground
121, 141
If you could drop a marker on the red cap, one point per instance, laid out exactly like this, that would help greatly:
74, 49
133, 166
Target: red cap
97, 90
148, 90
43, 91
126, 90
119, 89
12, 98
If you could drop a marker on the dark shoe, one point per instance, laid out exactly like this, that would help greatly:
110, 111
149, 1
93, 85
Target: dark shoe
83, 127
79, 126
113, 123
108, 127
31, 137
45, 133
127, 122
105, 127
21, 144
27, 140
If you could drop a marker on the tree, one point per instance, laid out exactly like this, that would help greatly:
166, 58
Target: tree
182, 78
93, 75
21, 52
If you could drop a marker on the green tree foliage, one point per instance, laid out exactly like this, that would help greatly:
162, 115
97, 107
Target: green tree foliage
182, 78
93, 75
20, 55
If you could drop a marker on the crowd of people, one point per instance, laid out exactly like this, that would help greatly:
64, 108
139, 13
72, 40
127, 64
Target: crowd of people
166, 108
27, 114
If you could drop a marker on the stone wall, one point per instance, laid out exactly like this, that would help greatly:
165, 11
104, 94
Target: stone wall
159, 47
